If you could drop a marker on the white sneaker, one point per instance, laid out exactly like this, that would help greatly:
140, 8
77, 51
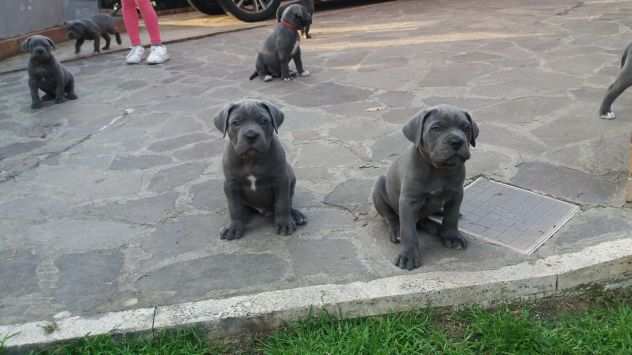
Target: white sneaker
135, 55
158, 55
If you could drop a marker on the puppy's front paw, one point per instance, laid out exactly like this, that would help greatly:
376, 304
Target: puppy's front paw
48, 97
289, 78
36, 105
71, 97
59, 100
409, 258
233, 231
453, 240
267, 78
305, 73
285, 226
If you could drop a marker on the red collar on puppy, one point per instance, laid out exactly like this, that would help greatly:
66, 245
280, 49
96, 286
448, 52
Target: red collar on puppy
289, 26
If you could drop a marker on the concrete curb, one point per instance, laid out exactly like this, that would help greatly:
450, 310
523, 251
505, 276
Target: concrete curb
605, 263
119, 50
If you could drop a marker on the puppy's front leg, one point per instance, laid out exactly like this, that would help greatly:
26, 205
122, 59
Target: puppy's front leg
35, 99
449, 231
97, 44
409, 257
285, 67
59, 85
236, 210
282, 208
298, 61
78, 45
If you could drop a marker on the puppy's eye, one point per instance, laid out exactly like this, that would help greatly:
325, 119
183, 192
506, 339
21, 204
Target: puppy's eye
435, 128
235, 123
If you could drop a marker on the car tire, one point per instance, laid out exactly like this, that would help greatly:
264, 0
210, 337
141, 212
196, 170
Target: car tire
249, 15
209, 7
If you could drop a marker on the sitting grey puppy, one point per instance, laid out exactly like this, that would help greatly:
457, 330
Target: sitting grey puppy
282, 45
92, 29
309, 5
258, 176
46, 74
427, 179
623, 81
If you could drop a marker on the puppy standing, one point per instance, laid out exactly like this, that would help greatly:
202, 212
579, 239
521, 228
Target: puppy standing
427, 179
282, 45
309, 5
92, 29
46, 74
258, 176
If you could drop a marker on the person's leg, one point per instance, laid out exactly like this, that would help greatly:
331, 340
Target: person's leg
130, 18
151, 21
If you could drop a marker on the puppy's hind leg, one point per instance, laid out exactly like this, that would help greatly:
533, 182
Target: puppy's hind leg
78, 45
107, 39
384, 209
299, 218
118, 38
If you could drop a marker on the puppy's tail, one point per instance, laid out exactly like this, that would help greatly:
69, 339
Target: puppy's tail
254, 75
118, 38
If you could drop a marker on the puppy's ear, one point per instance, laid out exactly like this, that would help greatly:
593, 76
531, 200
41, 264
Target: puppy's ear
414, 129
473, 130
221, 120
276, 115
51, 43
26, 45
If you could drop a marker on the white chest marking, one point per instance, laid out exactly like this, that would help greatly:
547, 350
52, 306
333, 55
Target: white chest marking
253, 181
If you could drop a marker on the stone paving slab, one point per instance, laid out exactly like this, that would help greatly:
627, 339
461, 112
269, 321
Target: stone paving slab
113, 201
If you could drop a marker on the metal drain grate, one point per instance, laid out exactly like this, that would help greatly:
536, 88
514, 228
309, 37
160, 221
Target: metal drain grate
512, 217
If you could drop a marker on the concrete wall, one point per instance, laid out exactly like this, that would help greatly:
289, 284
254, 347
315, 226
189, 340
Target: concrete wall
19, 17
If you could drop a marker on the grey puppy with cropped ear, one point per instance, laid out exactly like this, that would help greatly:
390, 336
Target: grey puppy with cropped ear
258, 176
282, 45
427, 179
46, 73
92, 29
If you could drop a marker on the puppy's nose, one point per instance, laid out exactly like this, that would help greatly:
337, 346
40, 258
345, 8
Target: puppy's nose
456, 142
251, 135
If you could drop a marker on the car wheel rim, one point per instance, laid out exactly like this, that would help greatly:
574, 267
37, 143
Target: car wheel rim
253, 6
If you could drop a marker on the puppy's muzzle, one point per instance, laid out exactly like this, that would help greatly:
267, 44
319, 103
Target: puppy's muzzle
251, 136
456, 142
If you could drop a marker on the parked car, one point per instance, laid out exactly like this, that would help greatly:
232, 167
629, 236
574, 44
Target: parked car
245, 10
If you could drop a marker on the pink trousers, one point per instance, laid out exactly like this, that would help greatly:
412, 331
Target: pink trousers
130, 18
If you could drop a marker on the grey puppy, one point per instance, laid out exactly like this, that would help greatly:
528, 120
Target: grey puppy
309, 5
282, 45
46, 74
258, 176
623, 81
93, 29
427, 179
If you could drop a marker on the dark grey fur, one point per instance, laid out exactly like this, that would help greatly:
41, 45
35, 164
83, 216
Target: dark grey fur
309, 5
93, 29
427, 179
258, 176
281, 46
46, 74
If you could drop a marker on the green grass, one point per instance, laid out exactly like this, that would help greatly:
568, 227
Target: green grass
596, 323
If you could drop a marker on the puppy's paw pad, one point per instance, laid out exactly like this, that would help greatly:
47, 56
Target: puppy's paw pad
286, 228
455, 242
231, 232
267, 78
608, 116
306, 73
408, 260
